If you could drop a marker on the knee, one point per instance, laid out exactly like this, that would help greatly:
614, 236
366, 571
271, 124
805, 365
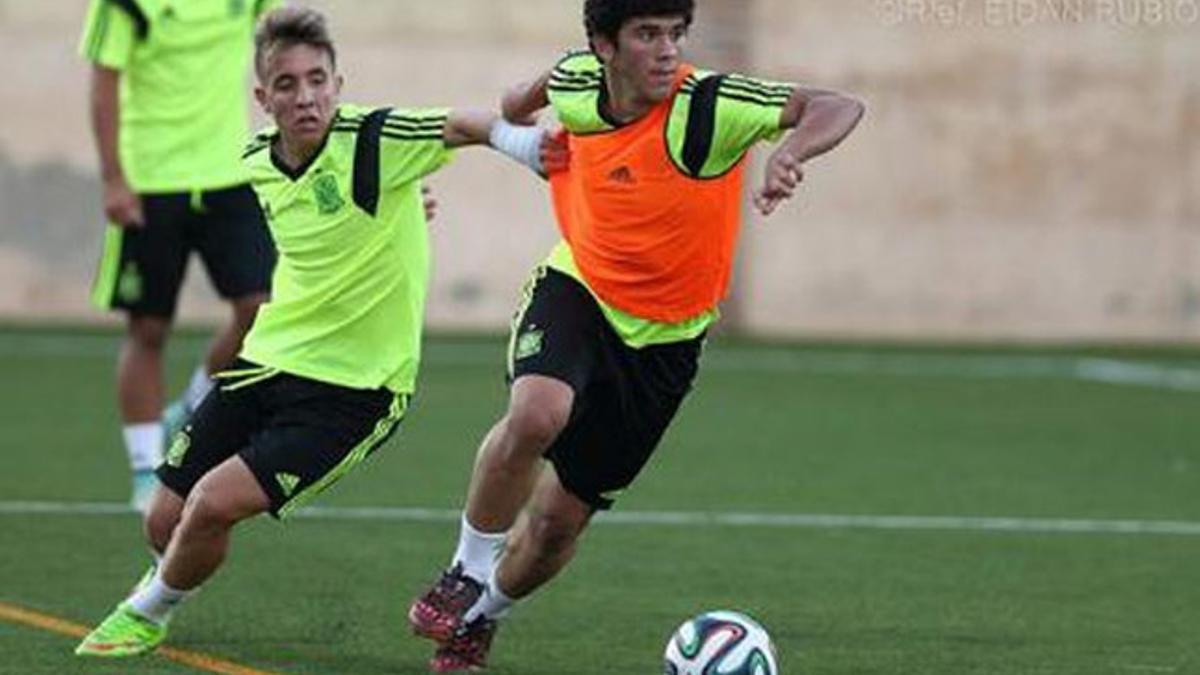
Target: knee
159, 525
149, 335
530, 426
204, 512
244, 311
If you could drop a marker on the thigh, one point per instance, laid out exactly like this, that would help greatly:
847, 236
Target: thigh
621, 418
234, 243
555, 331
141, 268
317, 433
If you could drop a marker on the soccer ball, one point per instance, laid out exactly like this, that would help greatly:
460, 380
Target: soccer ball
720, 643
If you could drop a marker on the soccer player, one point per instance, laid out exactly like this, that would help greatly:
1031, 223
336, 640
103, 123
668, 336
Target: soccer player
330, 362
607, 339
168, 109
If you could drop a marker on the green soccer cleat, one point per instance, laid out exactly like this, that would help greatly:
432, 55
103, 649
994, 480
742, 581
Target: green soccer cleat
146, 578
123, 633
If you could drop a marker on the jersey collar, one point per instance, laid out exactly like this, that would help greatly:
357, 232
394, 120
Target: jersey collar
296, 173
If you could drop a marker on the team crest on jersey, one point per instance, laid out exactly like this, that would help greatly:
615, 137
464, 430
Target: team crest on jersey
528, 344
179, 447
325, 189
129, 284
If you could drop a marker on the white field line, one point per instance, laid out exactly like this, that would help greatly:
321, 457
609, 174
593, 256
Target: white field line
699, 519
1183, 376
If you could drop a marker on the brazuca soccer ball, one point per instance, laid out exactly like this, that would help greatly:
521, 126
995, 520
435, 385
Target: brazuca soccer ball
720, 643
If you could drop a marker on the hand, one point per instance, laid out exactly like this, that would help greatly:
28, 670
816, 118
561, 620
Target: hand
784, 172
429, 202
555, 151
122, 206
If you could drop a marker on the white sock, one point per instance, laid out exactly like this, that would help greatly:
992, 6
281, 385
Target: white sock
492, 603
198, 387
143, 443
156, 600
477, 551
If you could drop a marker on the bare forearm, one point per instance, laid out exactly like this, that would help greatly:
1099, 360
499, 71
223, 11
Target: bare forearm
523, 144
819, 121
468, 127
106, 121
825, 121
522, 101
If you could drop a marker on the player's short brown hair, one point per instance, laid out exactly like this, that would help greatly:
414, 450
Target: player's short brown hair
605, 17
287, 27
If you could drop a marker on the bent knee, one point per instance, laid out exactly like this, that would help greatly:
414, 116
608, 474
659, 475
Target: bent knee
245, 309
149, 335
158, 525
536, 426
202, 509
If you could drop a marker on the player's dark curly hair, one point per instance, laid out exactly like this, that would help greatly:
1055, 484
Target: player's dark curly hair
287, 27
604, 18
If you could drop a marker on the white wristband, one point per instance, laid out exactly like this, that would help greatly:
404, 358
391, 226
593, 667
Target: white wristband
524, 144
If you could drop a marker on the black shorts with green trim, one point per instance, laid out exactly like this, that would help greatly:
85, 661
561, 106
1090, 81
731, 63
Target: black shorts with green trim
297, 435
142, 268
625, 397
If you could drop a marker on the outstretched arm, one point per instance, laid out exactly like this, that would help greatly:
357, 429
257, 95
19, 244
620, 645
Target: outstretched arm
820, 120
536, 148
468, 127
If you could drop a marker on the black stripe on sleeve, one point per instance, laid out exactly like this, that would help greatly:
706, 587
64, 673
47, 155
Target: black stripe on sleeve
773, 103
568, 77
365, 180
413, 124
141, 24
701, 125
414, 136
572, 86
753, 87
573, 90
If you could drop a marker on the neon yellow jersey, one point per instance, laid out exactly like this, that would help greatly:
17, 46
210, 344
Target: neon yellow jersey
348, 293
183, 100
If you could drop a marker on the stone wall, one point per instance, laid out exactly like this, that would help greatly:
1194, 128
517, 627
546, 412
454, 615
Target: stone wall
1028, 170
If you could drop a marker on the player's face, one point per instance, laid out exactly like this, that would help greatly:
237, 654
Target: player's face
299, 89
647, 55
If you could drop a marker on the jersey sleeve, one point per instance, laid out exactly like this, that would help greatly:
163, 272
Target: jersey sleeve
749, 110
263, 6
412, 145
574, 91
109, 34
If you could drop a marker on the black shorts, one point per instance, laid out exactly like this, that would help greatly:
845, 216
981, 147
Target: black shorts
141, 269
297, 435
624, 397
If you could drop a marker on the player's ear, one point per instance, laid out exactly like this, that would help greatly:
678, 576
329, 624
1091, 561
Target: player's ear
260, 95
338, 81
603, 48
